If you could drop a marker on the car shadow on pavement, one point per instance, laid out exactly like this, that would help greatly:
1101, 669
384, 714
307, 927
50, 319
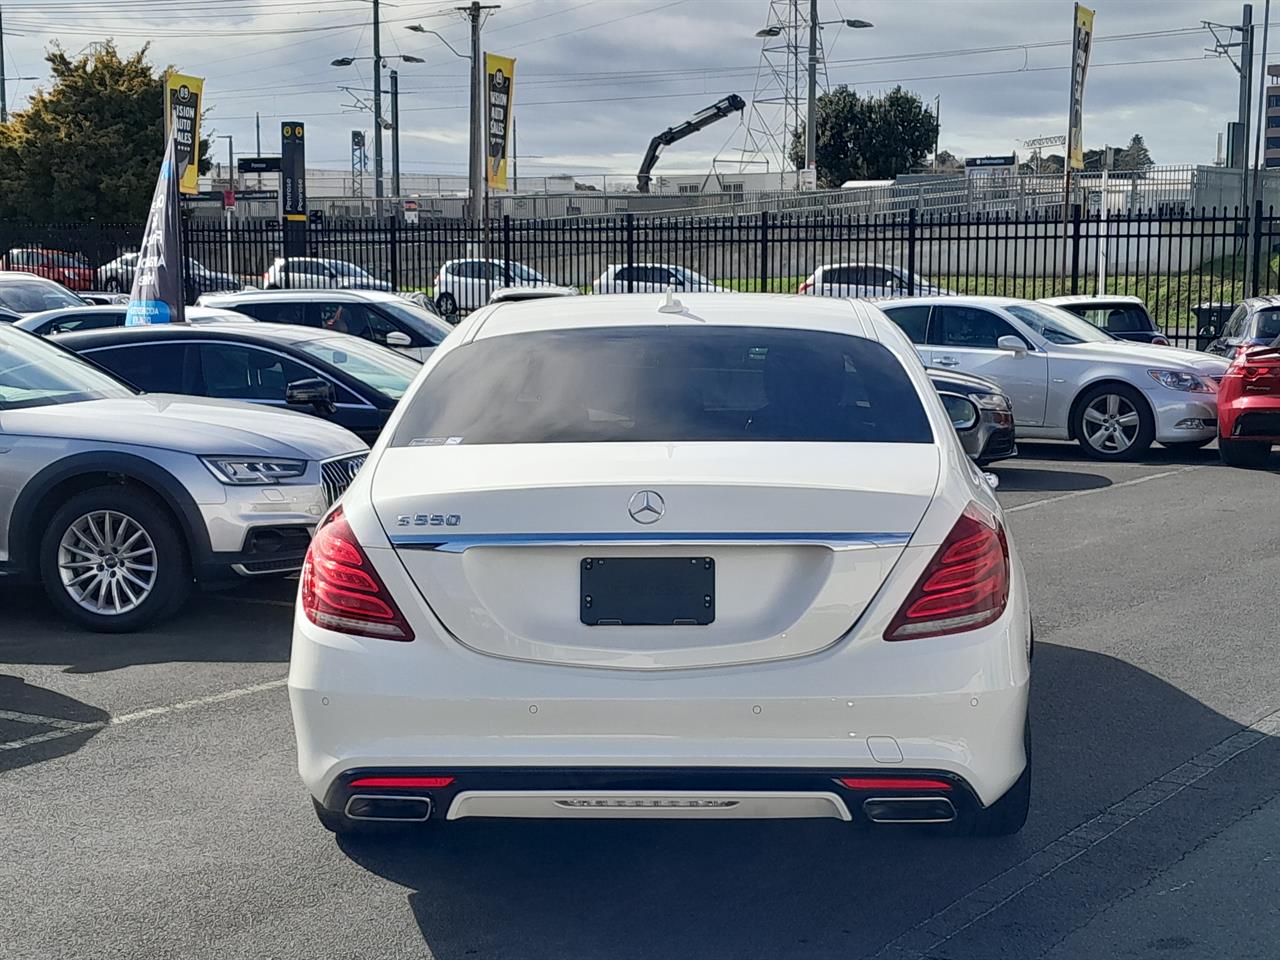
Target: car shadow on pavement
664, 889
252, 624
1018, 479
1070, 452
38, 724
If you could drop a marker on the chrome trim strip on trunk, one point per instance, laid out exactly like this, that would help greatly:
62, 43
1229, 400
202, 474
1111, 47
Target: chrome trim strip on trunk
459, 543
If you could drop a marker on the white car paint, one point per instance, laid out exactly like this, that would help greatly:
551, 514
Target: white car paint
793, 676
1045, 381
651, 278
469, 283
866, 280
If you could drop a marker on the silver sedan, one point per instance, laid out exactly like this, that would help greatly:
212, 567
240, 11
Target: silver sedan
1067, 379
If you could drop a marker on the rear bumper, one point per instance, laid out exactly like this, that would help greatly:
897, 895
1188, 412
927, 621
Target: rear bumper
665, 793
954, 705
1251, 418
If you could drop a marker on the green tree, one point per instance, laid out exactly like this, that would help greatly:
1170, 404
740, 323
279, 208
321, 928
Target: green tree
1135, 156
90, 146
868, 138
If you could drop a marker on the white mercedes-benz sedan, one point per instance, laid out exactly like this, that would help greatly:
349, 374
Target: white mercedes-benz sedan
624, 556
1067, 379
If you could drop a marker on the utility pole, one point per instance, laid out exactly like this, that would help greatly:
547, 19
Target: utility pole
4, 99
257, 126
475, 169
377, 103
937, 120
395, 134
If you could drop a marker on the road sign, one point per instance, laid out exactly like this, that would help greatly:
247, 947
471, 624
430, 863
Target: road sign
258, 164
228, 198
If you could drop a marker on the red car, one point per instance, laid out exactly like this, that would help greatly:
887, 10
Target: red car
1249, 407
69, 269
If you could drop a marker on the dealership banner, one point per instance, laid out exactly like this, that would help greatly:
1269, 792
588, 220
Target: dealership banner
157, 294
182, 96
1082, 41
499, 77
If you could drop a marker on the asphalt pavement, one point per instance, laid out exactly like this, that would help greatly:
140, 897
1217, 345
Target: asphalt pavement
149, 805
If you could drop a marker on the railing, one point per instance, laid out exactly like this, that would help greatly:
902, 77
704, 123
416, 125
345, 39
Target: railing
1190, 268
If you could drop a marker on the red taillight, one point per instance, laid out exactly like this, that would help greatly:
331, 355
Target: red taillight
894, 783
1160, 341
965, 586
340, 589
424, 783
806, 286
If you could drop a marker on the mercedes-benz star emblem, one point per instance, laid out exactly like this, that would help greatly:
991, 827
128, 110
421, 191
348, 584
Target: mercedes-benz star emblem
646, 506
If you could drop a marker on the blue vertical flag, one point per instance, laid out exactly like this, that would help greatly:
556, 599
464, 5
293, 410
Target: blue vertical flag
157, 294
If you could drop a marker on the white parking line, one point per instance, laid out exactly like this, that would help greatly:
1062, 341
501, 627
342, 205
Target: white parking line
1111, 486
68, 728
923, 940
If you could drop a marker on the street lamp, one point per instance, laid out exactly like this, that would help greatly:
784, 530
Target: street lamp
379, 123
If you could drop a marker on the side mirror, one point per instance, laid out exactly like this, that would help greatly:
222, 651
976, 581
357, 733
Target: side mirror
1013, 344
312, 392
398, 338
963, 413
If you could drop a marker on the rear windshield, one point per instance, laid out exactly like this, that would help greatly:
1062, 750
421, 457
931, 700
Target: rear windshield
665, 384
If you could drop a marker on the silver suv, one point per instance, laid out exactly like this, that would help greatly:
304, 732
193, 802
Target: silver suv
119, 502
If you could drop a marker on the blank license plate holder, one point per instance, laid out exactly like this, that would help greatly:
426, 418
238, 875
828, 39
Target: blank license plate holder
647, 591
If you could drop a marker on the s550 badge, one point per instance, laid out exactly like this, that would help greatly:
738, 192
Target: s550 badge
428, 520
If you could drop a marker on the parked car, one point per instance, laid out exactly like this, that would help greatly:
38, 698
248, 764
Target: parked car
520, 294
24, 293
385, 318
1254, 323
349, 381
117, 502
866, 280
88, 317
647, 525
117, 276
1249, 407
1125, 318
302, 273
71, 270
981, 413
464, 285
1067, 379
651, 278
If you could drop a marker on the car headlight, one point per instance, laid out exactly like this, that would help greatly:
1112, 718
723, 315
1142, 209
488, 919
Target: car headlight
244, 471
991, 401
1177, 380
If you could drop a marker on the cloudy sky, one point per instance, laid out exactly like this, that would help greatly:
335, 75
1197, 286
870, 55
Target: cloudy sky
597, 78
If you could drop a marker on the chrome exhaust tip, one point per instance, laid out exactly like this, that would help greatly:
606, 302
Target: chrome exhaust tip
908, 810
397, 809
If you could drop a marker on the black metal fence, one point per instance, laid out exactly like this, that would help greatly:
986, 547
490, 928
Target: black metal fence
1190, 268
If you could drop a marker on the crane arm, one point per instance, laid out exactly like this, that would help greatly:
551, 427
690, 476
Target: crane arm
703, 118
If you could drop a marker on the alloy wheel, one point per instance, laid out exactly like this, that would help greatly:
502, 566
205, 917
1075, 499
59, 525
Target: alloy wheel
107, 562
1111, 424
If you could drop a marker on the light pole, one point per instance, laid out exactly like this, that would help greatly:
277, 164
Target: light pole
379, 64
231, 159
811, 114
475, 167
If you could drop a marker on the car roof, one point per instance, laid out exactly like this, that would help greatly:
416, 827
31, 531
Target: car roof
641, 309
1084, 299
944, 298
857, 263
1259, 303
24, 275
36, 319
302, 293
267, 334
